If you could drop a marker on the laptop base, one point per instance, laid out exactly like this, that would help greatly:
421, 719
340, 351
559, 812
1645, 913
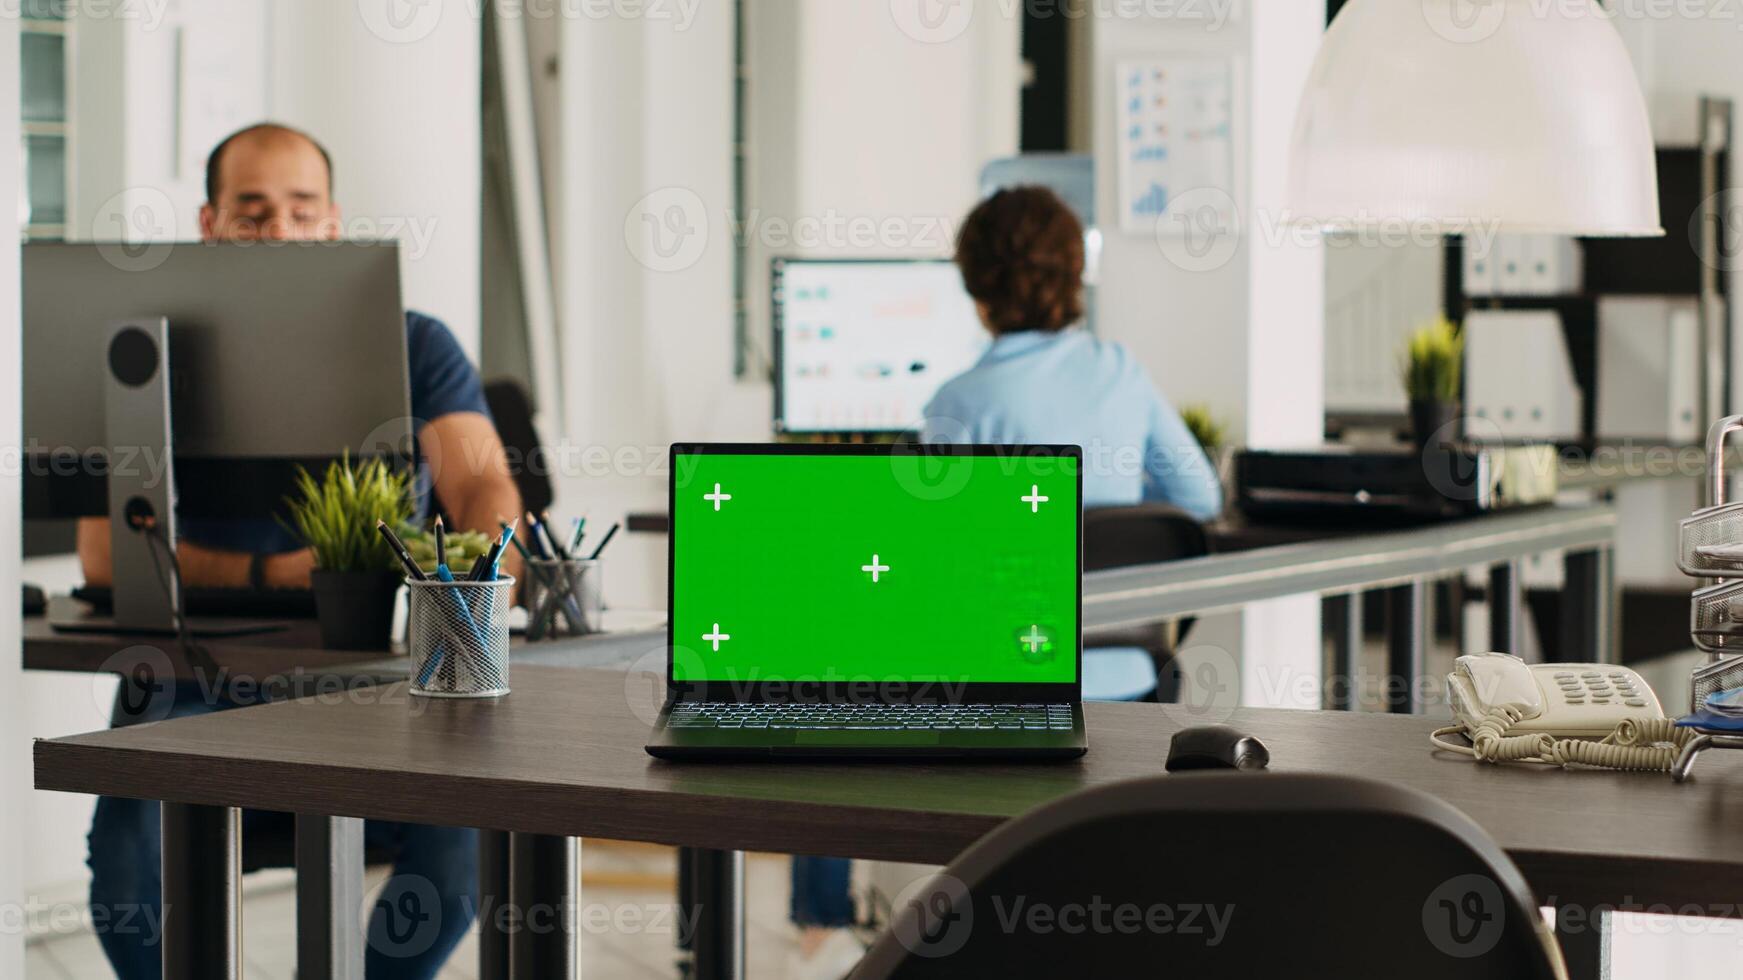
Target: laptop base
836, 743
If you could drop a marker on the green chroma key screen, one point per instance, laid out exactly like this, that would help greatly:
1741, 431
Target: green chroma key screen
886, 567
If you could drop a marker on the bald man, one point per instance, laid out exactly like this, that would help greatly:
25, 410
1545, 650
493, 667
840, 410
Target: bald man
269, 182
273, 183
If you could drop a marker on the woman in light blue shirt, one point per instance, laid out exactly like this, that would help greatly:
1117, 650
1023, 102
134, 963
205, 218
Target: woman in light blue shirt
1047, 380
1044, 381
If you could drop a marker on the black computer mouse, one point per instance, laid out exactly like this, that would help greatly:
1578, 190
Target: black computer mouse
1215, 747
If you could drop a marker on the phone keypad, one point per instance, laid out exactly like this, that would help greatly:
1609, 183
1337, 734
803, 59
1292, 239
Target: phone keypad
1599, 688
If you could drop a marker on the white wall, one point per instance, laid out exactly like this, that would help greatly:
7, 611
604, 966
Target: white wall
14, 750
850, 120
859, 117
1187, 325
1375, 296
396, 102
151, 97
1244, 334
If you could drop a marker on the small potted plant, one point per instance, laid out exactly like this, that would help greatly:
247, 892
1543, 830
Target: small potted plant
463, 547
1433, 372
356, 575
1212, 435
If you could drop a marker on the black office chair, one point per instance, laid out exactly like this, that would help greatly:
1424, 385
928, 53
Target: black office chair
1308, 876
512, 408
1117, 537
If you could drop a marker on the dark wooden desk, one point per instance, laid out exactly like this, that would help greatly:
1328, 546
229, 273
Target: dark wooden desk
292, 660
256, 655
562, 757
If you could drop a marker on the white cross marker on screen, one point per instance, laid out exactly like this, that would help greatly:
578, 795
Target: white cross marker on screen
1035, 500
716, 636
717, 497
874, 568
1035, 639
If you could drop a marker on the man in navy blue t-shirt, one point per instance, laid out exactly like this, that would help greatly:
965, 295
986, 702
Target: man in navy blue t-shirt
274, 183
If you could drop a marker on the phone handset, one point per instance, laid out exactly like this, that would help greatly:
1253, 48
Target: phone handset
1558, 714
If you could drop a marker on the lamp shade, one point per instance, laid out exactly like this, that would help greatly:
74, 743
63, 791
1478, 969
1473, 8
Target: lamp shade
1510, 115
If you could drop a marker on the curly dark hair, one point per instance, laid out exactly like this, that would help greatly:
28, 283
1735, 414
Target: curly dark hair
1021, 257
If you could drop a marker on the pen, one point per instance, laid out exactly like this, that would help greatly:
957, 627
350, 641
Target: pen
501, 546
609, 533
533, 535
484, 567
551, 537
575, 538
412, 570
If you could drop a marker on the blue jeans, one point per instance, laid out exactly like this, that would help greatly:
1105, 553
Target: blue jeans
822, 892
420, 917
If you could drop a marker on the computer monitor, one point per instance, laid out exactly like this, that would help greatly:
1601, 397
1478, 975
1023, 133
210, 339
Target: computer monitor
862, 345
278, 355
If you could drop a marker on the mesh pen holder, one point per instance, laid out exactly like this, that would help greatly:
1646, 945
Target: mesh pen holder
564, 598
457, 636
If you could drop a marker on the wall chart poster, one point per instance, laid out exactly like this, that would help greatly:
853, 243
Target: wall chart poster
1175, 127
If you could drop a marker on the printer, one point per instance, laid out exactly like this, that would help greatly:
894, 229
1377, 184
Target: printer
1394, 483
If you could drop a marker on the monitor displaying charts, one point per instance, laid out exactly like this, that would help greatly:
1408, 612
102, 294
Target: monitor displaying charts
861, 346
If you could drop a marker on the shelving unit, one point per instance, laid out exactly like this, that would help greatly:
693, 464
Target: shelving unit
45, 63
1688, 262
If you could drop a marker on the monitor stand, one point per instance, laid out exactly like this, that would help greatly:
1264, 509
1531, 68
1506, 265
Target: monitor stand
141, 472
141, 476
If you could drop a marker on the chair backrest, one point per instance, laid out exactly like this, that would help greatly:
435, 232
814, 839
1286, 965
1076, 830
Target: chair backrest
512, 408
1226, 875
1115, 537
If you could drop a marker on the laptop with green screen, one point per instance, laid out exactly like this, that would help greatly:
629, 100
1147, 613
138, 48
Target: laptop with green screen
874, 600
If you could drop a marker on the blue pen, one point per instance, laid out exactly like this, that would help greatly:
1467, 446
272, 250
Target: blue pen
533, 536
435, 660
501, 546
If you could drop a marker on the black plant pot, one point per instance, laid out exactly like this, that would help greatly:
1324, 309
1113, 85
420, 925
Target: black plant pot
1433, 423
355, 609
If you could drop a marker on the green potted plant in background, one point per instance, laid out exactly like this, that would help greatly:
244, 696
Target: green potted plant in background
356, 575
1434, 362
1212, 435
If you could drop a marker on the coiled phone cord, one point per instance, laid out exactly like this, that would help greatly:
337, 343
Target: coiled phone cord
1642, 746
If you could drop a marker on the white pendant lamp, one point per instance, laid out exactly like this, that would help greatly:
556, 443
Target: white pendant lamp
1508, 115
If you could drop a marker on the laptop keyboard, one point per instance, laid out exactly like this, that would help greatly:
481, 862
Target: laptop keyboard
881, 717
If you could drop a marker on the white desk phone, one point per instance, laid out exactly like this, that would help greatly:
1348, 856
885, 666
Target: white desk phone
1597, 715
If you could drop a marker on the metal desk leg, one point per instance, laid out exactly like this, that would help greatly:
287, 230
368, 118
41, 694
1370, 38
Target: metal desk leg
1407, 646
543, 881
493, 895
202, 882
1585, 943
329, 897
717, 882
1586, 608
1343, 614
1505, 632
